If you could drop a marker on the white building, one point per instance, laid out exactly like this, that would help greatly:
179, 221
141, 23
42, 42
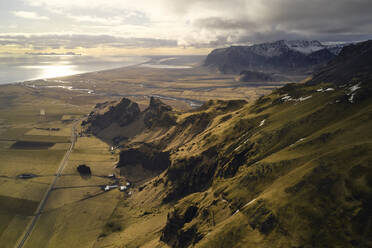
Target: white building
109, 187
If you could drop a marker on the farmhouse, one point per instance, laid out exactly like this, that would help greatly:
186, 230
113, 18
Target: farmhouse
109, 187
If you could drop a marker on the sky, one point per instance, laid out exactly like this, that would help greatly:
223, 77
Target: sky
146, 27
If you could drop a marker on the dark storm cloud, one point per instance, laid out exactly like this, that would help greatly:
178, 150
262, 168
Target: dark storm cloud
39, 42
292, 19
227, 24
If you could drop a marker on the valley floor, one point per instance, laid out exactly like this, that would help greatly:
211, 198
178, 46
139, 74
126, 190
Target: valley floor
180, 88
35, 133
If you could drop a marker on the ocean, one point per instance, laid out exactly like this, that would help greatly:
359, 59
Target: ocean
28, 67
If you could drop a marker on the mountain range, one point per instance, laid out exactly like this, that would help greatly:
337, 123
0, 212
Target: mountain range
297, 56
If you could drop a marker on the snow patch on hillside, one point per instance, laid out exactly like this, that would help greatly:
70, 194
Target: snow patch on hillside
352, 90
287, 98
279, 47
304, 46
325, 89
262, 123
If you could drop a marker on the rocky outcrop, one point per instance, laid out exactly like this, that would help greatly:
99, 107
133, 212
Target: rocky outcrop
174, 233
123, 113
158, 114
191, 175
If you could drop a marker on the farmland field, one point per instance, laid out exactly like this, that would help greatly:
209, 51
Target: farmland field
26, 148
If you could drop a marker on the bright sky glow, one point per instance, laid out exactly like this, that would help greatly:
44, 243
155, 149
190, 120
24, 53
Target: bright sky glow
174, 26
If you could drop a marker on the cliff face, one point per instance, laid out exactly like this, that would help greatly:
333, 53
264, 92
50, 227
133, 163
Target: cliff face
123, 114
158, 114
119, 122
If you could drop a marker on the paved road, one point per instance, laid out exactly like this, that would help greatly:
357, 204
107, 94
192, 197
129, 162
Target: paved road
43, 201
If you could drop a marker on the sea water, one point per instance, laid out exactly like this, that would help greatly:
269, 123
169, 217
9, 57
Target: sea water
28, 67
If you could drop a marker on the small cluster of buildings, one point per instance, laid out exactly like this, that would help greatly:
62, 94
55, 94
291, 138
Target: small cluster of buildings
122, 188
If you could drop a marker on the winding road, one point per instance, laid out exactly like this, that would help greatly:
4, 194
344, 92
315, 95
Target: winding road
20, 243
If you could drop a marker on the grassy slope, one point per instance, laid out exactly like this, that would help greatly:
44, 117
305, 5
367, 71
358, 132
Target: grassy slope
304, 189
301, 178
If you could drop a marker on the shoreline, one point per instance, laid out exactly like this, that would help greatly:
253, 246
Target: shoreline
75, 74
155, 62
183, 87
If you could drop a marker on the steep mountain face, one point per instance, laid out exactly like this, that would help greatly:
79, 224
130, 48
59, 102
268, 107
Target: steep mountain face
115, 122
292, 169
149, 160
123, 113
280, 56
282, 46
287, 171
158, 114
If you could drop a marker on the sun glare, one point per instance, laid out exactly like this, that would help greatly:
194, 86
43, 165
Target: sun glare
49, 71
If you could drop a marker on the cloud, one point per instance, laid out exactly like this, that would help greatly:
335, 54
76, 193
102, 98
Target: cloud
29, 15
262, 21
116, 20
225, 24
213, 23
72, 41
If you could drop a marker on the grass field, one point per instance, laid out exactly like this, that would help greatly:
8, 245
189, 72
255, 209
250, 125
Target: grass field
78, 209
26, 147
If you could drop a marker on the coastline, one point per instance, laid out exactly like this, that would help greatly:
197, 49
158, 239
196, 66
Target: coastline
183, 88
155, 62
80, 71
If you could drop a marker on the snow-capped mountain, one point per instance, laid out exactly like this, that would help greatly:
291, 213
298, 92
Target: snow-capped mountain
282, 55
279, 47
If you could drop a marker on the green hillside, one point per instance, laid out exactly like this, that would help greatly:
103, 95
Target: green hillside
292, 169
